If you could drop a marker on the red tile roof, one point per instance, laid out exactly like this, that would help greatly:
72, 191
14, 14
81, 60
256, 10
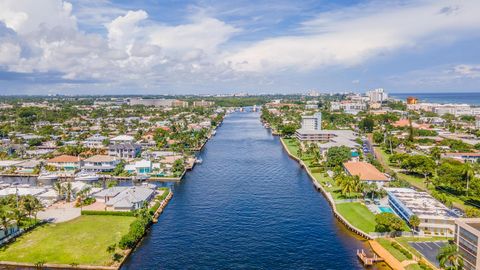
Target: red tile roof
366, 171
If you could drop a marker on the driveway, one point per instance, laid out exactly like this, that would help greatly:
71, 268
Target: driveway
60, 212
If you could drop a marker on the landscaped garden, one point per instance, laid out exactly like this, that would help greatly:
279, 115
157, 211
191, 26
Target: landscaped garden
82, 241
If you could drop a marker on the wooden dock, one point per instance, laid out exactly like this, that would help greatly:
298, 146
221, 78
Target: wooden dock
367, 261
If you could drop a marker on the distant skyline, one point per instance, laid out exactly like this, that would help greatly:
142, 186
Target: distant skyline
207, 47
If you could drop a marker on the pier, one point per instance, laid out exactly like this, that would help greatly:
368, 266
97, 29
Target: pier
367, 261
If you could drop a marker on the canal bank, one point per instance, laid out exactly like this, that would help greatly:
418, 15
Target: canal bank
248, 205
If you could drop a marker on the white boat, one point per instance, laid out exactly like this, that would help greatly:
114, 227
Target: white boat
86, 176
47, 176
214, 132
198, 160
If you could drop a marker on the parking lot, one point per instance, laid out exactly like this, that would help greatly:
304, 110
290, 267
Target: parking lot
429, 249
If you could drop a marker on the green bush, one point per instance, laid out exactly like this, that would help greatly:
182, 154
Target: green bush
402, 250
108, 213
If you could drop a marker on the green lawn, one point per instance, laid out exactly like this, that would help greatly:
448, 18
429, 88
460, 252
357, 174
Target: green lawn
414, 266
416, 181
358, 215
395, 252
83, 240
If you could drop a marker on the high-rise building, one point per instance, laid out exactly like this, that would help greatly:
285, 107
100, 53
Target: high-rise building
467, 234
377, 95
312, 122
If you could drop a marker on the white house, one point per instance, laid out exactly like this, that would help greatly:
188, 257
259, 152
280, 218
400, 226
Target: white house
100, 163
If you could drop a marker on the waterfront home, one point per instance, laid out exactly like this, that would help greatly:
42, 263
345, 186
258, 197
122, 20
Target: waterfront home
94, 141
100, 163
435, 218
464, 157
124, 150
132, 198
467, 239
122, 139
367, 172
65, 162
140, 167
125, 198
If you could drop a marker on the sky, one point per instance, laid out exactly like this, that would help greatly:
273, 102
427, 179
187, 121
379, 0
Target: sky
208, 47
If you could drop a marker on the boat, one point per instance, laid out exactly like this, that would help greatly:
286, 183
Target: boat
142, 177
214, 132
47, 176
86, 176
198, 160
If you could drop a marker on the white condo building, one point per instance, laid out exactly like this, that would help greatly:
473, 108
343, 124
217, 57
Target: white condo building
377, 95
312, 122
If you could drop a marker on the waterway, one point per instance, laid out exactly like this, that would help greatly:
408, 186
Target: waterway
247, 206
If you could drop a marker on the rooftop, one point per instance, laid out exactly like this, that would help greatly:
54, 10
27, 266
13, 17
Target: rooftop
366, 171
64, 159
420, 203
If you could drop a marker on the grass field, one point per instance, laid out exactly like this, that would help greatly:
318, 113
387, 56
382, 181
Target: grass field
358, 215
83, 240
395, 252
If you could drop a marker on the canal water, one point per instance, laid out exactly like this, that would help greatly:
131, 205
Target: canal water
247, 206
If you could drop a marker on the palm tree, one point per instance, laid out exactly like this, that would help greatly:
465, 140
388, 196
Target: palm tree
468, 174
57, 186
449, 255
68, 191
6, 215
414, 221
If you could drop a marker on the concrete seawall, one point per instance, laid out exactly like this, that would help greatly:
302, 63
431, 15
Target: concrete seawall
328, 196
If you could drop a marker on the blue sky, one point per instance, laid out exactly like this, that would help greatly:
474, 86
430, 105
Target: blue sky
206, 46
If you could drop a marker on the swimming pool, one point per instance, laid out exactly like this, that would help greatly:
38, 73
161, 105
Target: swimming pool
385, 209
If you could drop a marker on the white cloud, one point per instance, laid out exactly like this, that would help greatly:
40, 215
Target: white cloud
29, 15
350, 36
123, 30
9, 53
203, 33
467, 70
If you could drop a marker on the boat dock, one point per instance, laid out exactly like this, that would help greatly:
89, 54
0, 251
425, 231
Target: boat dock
367, 261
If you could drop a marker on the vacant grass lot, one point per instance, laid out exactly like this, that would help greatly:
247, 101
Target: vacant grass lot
83, 240
358, 215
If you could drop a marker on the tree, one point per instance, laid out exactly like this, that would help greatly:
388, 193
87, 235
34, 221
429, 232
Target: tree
288, 130
6, 215
68, 190
337, 155
449, 258
367, 124
32, 205
414, 221
348, 184
388, 222
468, 174
419, 164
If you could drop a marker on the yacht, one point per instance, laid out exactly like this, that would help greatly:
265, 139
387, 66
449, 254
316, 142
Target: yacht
86, 176
47, 176
198, 160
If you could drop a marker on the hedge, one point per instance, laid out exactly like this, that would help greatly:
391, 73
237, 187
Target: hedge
108, 213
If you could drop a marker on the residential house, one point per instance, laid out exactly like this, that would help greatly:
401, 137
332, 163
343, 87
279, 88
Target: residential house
122, 139
124, 150
65, 162
100, 163
140, 167
95, 141
125, 198
367, 172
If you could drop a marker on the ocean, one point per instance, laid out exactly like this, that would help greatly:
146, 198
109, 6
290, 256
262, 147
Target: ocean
472, 98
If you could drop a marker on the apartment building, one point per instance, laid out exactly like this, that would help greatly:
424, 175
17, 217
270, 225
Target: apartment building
467, 234
435, 218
